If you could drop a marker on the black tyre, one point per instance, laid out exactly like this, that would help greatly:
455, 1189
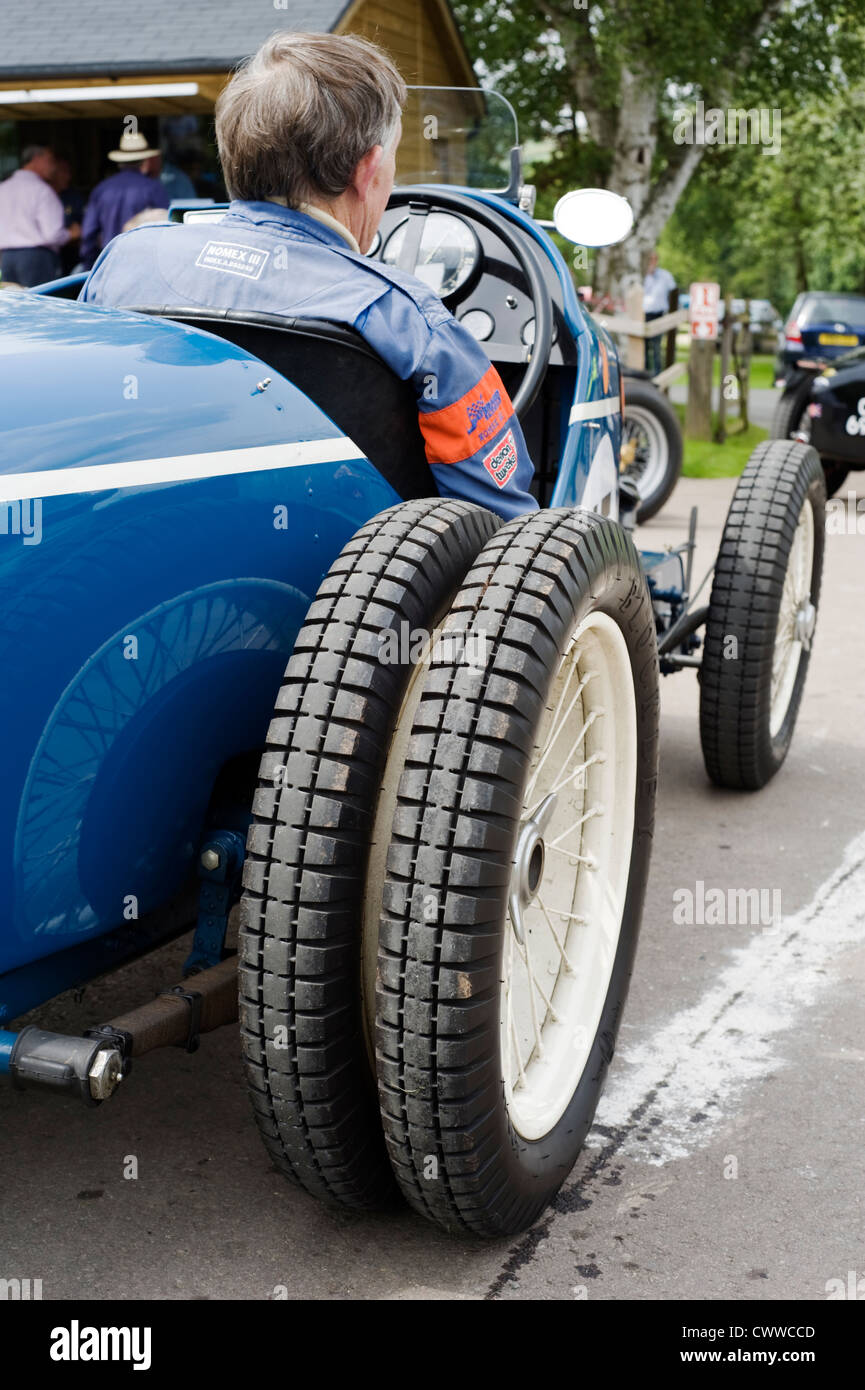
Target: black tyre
309, 1068
791, 411
651, 445
569, 672
835, 473
762, 615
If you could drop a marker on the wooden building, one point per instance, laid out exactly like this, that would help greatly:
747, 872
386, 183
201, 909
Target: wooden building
72, 70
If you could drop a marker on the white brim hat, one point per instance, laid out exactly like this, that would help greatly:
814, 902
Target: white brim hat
133, 148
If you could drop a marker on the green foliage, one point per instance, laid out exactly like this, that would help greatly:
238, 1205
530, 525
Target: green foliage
556, 58
770, 226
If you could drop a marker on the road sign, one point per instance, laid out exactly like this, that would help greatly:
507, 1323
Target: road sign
705, 301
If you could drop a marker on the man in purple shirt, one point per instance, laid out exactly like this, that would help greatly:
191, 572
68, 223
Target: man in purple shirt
122, 195
31, 221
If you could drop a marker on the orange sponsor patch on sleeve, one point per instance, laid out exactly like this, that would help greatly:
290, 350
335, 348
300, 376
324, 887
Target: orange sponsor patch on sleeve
457, 431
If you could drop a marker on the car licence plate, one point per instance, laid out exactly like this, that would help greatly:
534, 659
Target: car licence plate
837, 339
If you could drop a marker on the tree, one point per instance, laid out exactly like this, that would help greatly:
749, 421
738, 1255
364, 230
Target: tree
608, 83
790, 222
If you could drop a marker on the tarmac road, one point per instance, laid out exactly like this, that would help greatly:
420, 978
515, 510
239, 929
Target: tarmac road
727, 1161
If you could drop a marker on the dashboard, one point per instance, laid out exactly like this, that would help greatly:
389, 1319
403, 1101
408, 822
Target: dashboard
477, 278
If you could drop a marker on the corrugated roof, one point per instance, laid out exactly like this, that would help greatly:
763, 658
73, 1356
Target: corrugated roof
105, 36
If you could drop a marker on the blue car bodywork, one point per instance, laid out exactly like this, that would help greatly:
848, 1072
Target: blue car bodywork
166, 524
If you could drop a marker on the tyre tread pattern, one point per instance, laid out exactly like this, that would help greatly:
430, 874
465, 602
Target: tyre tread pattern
299, 971
735, 690
459, 803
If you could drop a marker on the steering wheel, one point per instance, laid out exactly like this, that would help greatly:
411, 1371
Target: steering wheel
523, 251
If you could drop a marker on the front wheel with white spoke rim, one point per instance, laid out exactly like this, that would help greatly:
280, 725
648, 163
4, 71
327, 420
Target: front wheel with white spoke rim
762, 614
796, 619
516, 873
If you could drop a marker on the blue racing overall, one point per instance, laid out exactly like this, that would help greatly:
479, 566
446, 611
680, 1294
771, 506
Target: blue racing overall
279, 260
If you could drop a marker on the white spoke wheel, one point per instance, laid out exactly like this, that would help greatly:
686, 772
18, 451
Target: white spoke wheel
516, 873
310, 852
762, 615
796, 619
559, 957
651, 447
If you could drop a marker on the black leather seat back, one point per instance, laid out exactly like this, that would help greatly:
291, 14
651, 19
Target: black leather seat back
332, 365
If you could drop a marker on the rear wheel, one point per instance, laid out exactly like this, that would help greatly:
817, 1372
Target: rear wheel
516, 874
762, 615
792, 421
308, 1065
791, 412
651, 450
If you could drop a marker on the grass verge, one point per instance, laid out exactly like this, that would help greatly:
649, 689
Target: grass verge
706, 459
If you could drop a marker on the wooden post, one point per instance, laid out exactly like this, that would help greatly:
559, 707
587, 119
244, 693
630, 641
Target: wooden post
726, 345
670, 355
698, 416
635, 348
745, 364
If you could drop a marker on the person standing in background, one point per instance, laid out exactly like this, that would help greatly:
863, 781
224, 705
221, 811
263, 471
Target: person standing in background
174, 178
122, 195
32, 227
658, 284
73, 211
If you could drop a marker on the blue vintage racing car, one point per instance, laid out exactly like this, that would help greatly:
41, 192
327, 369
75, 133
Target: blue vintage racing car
258, 676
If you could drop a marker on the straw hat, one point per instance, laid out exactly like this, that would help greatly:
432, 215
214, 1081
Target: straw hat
133, 146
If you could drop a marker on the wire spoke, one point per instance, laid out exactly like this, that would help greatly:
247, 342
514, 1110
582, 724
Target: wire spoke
572, 856
597, 810
557, 727
533, 980
595, 758
522, 1075
524, 954
569, 966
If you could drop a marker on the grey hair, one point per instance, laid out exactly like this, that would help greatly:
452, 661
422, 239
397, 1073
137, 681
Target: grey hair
296, 119
31, 152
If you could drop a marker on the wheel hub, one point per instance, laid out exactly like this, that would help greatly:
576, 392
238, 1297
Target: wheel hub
805, 623
529, 860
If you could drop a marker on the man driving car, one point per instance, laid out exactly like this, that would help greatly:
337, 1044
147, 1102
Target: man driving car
307, 133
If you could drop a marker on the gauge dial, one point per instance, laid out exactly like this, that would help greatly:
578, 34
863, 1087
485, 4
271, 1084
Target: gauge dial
448, 253
480, 324
528, 332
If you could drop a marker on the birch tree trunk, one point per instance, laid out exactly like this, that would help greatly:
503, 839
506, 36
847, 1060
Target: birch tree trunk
630, 175
626, 123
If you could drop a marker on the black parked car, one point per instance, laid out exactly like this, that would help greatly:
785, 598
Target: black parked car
826, 407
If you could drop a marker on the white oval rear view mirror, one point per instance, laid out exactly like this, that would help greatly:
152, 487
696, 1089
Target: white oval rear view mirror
593, 217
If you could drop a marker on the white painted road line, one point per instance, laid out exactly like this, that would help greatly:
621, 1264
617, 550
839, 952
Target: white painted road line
733, 1036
